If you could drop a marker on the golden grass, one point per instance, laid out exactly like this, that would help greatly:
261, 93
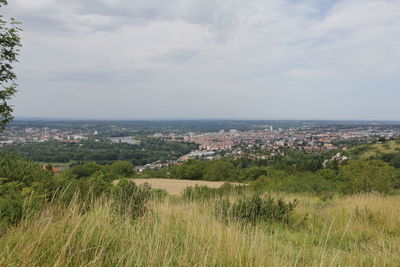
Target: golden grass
361, 230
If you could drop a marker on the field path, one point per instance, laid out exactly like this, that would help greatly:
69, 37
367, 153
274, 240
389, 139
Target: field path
176, 187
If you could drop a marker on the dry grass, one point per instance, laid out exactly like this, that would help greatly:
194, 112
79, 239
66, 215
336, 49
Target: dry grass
360, 230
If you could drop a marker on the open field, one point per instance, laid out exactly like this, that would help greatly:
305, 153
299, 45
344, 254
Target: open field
360, 230
174, 186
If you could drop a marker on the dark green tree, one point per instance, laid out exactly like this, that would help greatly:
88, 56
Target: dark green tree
10, 41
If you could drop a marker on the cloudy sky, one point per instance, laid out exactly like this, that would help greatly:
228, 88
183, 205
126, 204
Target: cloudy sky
279, 59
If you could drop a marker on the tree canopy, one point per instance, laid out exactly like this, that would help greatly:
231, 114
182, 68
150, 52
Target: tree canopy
10, 41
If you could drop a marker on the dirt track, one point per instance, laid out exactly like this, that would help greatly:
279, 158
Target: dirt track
176, 187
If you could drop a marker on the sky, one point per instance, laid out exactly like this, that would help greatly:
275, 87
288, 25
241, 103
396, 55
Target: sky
235, 59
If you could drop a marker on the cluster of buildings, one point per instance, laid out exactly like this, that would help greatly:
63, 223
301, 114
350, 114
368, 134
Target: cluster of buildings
17, 134
260, 143
307, 139
271, 142
195, 154
126, 139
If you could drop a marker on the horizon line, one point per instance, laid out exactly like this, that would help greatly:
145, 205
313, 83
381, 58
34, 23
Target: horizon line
23, 118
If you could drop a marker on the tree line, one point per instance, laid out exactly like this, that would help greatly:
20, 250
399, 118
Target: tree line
149, 150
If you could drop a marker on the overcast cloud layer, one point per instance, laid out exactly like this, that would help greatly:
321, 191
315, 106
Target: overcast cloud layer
280, 59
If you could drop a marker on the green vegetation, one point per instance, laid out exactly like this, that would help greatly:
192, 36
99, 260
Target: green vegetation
201, 193
358, 230
256, 209
297, 174
26, 187
10, 41
149, 150
388, 151
292, 162
291, 212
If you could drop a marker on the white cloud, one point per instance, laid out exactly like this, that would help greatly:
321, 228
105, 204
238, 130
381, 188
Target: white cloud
192, 58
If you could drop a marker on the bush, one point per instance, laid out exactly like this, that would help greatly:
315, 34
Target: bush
192, 170
252, 173
23, 186
26, 187
219, 170
368, 176
318, 183
11, 210
204, 192
86, 169
256, 209
130, 198
16, 169
199, 193
122, 168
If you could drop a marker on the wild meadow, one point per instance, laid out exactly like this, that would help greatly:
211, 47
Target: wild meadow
82, 217
357, 230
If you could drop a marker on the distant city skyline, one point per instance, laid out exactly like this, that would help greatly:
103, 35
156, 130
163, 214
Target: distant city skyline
207, 59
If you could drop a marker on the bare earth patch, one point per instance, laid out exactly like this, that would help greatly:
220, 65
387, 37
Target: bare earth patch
174, 186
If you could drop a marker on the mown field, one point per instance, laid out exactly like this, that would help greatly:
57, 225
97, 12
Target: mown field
358, 230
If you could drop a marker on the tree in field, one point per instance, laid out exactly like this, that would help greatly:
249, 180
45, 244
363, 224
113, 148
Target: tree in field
10, 41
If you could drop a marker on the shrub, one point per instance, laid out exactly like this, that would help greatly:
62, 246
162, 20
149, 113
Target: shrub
11, 210
319, 183
130, 198
86, 169
368, 176
219, 170
23, 186
193, 170
256, 209
16, 169
158, 194
122, 168
252, 173
198, 193
204, 192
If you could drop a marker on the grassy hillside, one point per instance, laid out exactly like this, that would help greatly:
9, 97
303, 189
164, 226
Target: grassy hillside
81, 217
376, 150
344, 231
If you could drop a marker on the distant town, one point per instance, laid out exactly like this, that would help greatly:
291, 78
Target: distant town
260, 141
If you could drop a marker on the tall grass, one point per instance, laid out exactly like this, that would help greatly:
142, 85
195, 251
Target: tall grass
347, 231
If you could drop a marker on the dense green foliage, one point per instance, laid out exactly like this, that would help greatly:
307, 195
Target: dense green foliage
26, 187
292, 162
367, 176
149, 150
255, 209
10, 41
297, 173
